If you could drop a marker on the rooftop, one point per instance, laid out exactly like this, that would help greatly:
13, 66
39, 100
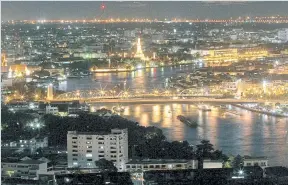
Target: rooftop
249, 158
157, 161
100, 132
13, 160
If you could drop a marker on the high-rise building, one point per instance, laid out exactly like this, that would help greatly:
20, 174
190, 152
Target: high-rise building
84, 148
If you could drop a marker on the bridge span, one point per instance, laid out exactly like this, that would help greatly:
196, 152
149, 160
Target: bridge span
169, 100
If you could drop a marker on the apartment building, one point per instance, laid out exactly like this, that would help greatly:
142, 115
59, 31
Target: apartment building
84, 148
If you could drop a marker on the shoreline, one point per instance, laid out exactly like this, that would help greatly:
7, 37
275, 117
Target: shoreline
260, 111
131, 70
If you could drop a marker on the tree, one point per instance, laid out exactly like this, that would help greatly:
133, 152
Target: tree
39, 152
237, 162
105, 165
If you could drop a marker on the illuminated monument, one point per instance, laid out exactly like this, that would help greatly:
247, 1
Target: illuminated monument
139, 52
50, 92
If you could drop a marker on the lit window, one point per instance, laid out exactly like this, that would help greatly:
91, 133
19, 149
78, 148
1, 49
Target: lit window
88, 155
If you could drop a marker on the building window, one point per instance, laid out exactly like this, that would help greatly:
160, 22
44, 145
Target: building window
89, 159
101, 156
100, 138
248, 164
101, 152
113, 152
128, 166
157, 166
88, 155
89, 151
74, 142
74, 154
89, 146
74, 150
178, 165
151, 166
74, 159
74, 146
88, 138
100, 143
74, 137
256, 164
88, 142
145, 166
263, 164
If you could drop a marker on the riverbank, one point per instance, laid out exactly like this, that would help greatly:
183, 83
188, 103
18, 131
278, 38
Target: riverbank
260, 111
131, 70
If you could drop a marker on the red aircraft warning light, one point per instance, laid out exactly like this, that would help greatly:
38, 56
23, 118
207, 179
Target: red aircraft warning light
103, 6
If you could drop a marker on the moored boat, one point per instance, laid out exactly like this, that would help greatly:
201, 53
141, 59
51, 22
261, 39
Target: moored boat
187, 121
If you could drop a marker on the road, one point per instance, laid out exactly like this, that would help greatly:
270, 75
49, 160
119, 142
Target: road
171, 100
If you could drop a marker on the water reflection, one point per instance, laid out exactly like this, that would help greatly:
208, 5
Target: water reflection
142, 78
249, 134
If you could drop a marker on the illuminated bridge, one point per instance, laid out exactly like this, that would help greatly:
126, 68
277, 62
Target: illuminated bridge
88, 95
142, 96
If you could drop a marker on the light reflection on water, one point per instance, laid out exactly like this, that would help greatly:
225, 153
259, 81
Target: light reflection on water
252, 133
249, 134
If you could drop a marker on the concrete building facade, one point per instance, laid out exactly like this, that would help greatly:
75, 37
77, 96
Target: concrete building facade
84, 148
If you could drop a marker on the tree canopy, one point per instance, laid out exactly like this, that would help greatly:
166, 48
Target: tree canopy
105, 165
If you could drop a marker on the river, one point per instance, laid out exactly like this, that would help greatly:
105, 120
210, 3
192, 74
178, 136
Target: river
250, 134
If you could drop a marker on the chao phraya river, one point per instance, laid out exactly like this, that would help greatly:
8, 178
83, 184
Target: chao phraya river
249, 134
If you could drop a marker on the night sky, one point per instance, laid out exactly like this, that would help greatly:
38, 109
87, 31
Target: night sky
79, 10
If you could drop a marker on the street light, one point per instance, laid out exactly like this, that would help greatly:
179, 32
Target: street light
241, 172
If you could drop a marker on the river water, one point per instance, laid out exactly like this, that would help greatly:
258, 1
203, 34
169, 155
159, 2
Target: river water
250, 134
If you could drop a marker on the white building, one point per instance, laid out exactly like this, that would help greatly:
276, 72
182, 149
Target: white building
155, 164
84, 148
24, 169
255, 161
283, 35
207, 164
51, 110
86, 55
32, 144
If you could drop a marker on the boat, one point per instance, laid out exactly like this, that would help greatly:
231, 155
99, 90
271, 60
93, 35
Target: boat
187, 121
204, 107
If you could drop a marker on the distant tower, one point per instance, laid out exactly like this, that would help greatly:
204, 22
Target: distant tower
139, 52
50, 92
3, 61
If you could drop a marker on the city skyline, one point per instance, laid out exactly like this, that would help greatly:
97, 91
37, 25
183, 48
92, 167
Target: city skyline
92, 10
